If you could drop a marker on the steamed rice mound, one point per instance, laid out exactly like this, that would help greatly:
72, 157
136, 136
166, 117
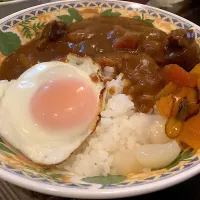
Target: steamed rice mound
124, 141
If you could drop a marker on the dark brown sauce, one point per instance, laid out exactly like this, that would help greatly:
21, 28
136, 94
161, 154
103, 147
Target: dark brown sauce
132, 47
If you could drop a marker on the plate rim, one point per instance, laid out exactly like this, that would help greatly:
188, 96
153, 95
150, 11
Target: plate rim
64, 191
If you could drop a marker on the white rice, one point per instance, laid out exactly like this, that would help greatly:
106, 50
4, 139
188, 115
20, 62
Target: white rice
111, 149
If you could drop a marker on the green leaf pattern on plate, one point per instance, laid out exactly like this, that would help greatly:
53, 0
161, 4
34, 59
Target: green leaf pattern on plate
5, 148
1, 140
44, 173
109, 12
137, 17
184, 156
73, 15
9, 42
66, 19
105, 180
31, 30
149, 21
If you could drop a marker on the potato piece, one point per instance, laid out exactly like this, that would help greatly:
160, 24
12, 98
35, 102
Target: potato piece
164, 105
191, 132
170, 88
192, 98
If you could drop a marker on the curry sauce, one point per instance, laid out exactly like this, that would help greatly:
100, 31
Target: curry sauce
132, 47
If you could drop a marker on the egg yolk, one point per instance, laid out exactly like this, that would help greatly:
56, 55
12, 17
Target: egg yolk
64, 103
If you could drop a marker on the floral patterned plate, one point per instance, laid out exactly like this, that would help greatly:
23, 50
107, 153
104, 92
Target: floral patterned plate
18, 29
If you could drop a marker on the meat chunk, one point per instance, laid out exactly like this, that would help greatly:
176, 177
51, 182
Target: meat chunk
181, 38
145, 77
154, 49
141, 70
129, 40
183, 56
182, 49
54, 30
51, 33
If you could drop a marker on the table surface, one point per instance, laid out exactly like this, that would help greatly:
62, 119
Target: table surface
189, 9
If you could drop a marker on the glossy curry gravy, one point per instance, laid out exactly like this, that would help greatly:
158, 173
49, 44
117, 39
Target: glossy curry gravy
133, 47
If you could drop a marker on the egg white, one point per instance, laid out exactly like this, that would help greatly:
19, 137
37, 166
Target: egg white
17, 126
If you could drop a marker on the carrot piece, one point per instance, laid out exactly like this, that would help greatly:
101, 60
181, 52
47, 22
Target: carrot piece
128, 41
170, 88
174, 73
196, 71
164, 105
198, 84
190, 133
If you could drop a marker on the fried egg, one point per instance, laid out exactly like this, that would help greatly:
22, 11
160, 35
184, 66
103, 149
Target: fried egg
51, 108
